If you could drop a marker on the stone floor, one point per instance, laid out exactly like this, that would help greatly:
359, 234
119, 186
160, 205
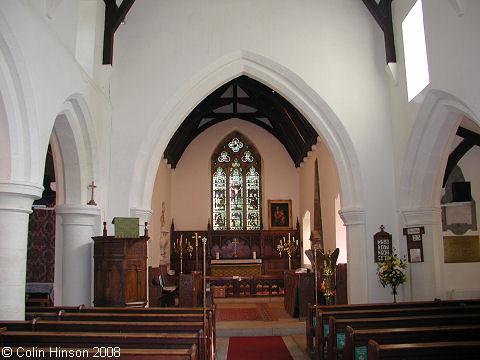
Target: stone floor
291, 329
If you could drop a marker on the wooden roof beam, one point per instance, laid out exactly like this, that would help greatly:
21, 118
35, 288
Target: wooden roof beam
114, 15
382, 13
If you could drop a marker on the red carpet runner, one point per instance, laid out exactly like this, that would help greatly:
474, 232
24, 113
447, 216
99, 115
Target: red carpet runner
261, 348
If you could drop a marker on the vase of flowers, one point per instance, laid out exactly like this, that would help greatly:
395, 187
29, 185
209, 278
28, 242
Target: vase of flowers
392, 272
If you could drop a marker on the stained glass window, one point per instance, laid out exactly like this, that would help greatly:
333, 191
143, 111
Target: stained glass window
236, 199
236, 192
219, 199
253, 198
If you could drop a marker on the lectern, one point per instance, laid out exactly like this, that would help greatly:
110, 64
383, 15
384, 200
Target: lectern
120, 271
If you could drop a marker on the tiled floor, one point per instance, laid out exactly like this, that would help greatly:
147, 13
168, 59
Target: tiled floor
292, 330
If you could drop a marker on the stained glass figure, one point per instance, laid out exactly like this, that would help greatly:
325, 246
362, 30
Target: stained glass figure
247, 157
219, 200
224, 157
236, 199
253, 196
235, 145
236, 191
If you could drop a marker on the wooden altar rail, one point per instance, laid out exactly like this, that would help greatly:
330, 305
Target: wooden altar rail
249, 285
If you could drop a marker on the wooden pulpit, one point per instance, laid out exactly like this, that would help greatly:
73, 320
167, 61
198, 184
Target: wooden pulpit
120, 271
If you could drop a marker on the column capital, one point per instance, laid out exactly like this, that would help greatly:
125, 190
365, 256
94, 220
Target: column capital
17, 196
353, 216
422, 216
78, 214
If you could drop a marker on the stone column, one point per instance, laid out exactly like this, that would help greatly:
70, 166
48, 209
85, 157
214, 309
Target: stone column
357, 279
16, 200
79, 224
426, 278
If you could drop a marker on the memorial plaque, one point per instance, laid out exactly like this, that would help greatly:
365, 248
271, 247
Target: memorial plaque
461, 249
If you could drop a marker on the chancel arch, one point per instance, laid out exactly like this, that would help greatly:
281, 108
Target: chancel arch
305, 100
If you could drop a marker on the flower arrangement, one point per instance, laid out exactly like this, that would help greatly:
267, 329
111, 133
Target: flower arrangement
391, 272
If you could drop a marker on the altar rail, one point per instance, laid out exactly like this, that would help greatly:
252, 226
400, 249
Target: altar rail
249, 285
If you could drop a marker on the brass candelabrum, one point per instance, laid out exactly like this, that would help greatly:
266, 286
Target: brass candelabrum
182, 247
325, 262
289, 247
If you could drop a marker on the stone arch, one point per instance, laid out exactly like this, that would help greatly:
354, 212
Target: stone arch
18, 130
272, 74
75, 153
428, 149
306, 100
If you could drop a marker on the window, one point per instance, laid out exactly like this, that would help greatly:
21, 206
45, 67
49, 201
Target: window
236, 195
415, 48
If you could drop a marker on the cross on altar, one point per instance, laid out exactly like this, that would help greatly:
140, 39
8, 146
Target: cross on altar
196, 237
92, 202
235, 243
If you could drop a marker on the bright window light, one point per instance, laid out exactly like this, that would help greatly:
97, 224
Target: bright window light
416, 61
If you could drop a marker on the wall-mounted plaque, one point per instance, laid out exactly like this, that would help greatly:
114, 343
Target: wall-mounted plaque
461, 249
414, 243
382, 245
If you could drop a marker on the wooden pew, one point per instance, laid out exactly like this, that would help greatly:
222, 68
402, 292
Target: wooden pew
433, 350
356, 341
322, 316
315, 328
114, 316
82, 313
337, 327
116, 309
89, 353
175, 334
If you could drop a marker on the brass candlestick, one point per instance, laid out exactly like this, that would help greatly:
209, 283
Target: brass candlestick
182, 247
289, 247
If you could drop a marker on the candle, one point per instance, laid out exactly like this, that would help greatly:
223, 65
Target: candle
289, 238
217, 255
254, 254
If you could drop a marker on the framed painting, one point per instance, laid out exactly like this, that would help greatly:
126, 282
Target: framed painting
279, 214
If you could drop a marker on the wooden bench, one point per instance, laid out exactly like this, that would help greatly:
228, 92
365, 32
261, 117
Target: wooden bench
433, 350
356, 341
322, 317
89, 353
337, 327
315, 328
116, 309
125, 335
120, 316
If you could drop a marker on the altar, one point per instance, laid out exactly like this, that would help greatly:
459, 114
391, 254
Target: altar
236, 267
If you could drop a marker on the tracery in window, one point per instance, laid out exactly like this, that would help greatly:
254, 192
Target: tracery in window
236, 192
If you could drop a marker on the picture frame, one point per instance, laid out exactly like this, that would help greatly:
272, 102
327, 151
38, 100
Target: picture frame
280, 214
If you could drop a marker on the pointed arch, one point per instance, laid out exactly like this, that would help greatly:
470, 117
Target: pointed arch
19, 158
272, 74
75, 152
428, 149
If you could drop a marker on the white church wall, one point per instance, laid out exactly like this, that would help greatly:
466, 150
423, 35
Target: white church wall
191, 180
53, 76
452, 50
